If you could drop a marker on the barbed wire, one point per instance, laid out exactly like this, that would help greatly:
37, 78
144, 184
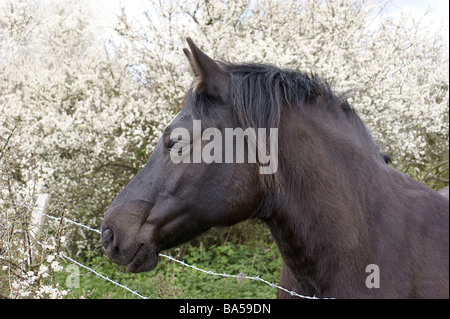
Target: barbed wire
102, 276
240, 277
74, 223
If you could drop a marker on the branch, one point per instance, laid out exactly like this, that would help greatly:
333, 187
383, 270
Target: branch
7, 141
431, 176
425, 176
102, 166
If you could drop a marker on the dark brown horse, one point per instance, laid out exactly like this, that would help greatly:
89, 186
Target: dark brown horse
347, 225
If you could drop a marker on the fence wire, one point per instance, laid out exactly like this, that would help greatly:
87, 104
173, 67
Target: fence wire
102, 276
240, 277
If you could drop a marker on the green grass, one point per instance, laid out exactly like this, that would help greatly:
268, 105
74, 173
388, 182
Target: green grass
172, 280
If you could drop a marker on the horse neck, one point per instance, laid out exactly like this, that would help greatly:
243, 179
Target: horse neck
319, 214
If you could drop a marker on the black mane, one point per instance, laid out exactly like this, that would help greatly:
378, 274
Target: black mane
260, 91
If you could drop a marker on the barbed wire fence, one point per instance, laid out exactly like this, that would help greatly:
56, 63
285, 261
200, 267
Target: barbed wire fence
38, 219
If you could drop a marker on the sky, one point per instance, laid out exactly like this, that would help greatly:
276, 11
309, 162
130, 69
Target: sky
437, 18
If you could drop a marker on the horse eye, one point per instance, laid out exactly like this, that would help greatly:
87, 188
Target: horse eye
171, 144
176, 145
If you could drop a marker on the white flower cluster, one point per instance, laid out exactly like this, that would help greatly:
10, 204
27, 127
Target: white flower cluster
29, 285
79, 123
27, 265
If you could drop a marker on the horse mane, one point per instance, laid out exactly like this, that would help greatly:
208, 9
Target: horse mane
259, 92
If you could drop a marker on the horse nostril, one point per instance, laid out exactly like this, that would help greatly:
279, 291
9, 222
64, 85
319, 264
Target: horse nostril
107, 237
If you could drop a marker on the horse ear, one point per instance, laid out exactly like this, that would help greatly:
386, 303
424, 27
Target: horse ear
210, 78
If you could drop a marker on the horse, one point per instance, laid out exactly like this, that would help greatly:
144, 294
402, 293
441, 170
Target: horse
332, 204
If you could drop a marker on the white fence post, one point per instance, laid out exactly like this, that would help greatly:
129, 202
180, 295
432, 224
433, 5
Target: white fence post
38, 215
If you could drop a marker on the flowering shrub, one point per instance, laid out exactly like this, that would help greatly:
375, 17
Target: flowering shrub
80, 113
83, 126
28, 258
36, 282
